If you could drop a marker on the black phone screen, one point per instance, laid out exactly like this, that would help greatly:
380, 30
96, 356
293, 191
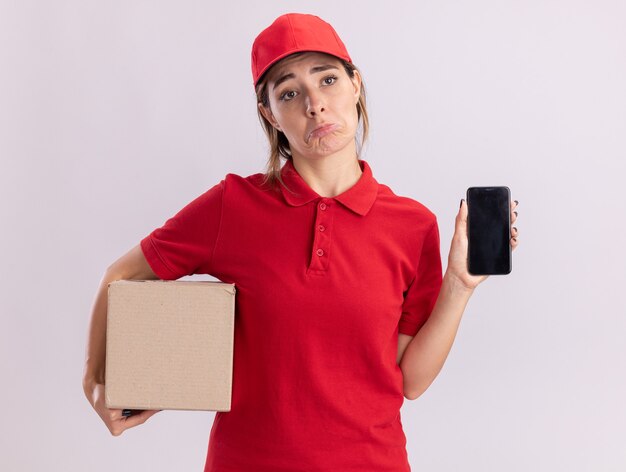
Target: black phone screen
489, 230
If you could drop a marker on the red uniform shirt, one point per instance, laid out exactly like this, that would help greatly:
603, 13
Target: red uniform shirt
324, 285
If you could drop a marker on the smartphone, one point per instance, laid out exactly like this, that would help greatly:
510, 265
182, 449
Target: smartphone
489, 230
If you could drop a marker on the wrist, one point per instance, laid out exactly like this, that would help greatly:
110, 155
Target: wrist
91, 379
455, 285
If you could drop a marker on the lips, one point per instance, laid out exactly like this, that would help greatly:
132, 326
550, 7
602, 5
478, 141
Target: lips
323, 130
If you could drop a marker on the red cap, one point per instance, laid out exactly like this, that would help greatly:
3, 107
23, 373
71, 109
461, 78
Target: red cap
290, 33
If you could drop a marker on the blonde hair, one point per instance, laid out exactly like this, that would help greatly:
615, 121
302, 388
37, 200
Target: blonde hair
279, 146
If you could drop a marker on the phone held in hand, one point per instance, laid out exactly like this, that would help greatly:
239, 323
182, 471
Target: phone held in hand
489, 230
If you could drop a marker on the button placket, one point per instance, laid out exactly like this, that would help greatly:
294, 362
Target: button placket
321, 240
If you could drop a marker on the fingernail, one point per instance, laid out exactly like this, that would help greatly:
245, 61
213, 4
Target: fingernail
516, 202
515, 213
461, 204
515, 228
515, 239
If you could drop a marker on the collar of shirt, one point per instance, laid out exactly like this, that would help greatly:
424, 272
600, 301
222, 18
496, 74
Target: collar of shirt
359, 198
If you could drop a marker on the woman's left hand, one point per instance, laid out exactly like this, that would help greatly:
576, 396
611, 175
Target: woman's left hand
457, 259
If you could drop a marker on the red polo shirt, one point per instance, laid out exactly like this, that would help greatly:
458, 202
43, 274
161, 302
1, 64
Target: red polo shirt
324, 285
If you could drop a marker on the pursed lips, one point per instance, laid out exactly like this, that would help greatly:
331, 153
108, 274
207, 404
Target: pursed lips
321, 129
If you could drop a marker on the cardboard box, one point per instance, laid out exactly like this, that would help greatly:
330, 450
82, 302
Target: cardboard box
169, 345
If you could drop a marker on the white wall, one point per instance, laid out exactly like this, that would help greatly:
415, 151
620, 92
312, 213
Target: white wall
113, 115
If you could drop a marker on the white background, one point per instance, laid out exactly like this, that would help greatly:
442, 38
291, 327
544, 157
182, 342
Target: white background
114, 115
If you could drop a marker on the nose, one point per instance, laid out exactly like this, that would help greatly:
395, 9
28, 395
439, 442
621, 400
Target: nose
314, 104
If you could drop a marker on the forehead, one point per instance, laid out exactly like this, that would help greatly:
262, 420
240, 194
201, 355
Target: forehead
288, 63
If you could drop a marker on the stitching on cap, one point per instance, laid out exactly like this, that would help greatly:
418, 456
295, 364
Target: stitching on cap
338, 40
291, 28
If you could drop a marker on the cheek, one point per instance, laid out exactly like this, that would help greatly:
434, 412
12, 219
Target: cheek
351, 113
348, 106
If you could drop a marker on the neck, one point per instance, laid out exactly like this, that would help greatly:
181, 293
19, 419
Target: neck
331, 175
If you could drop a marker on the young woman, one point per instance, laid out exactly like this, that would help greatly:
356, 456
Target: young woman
342, 311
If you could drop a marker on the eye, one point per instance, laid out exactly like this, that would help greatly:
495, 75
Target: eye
286, 96
290, 94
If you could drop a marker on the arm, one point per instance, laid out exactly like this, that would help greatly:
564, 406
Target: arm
403, 342
132, 265
427, 351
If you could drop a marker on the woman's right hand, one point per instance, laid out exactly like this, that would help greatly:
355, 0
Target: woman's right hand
132, 265
113, 419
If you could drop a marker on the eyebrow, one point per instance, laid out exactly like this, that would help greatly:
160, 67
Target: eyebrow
313, 70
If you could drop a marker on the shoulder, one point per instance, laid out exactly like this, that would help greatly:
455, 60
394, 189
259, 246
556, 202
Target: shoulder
237, 181
238, 186
404, 207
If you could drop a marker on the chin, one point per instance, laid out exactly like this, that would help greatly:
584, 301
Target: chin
326, 151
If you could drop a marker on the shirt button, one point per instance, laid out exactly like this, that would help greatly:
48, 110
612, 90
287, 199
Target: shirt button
321, 227
320, 252
322, 206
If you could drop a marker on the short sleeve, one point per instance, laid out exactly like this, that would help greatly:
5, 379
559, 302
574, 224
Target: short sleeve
422, 293
184, 245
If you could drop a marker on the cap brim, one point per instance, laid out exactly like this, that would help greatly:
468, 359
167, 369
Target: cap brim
293, 51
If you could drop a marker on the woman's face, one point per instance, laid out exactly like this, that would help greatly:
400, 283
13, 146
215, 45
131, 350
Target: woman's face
308, 91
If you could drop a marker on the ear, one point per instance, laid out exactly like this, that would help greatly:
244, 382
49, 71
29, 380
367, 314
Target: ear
269, 116
356, 82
